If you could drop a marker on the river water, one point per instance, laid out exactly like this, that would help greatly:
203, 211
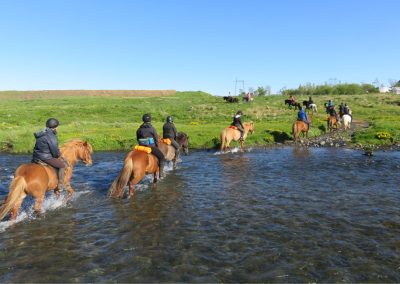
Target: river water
266, 215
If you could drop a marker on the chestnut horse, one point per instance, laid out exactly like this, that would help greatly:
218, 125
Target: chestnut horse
169, 151
229, 134
333, 123
35, 179
136, 165
300, 126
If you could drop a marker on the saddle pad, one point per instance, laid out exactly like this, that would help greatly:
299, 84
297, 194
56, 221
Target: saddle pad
166, 141
143, 148
233, 127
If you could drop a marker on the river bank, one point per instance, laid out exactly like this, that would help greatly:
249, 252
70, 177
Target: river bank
109, 122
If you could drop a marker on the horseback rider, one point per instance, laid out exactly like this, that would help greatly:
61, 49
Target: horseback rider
310, 101
330, 109
341, 109
346, 110
46, 150
238, 123
302, 116
170, 132
147, 136
292, 100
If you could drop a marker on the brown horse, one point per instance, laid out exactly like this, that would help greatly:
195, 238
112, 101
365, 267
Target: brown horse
136, 165
35, 180
301, 127
229, 134
169, 151
333, 123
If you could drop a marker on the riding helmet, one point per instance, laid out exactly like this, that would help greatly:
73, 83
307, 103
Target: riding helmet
52, 123
170, 119
239, 112
146, 117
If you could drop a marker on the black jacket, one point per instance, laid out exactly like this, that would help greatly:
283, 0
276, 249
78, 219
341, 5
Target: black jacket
146, 130
237, 121
169, 130
46, 146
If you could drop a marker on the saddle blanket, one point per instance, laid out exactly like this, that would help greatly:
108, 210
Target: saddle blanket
233, 127
166, 141
143, 148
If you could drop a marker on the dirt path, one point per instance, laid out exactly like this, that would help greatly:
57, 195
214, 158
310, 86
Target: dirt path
336, 138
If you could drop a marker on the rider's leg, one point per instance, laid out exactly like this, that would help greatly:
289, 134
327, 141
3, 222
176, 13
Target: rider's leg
161, 159
176, 146
60, 166
241, 130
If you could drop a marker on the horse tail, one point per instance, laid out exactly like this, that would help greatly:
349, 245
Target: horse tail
294, 131
17, 186
116, 189
222, 136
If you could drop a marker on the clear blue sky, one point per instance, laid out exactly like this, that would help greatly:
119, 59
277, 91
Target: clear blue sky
196, 44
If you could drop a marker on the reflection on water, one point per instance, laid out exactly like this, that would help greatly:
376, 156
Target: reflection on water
276, 215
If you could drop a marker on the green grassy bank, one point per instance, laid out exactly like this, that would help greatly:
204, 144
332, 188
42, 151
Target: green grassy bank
110, 122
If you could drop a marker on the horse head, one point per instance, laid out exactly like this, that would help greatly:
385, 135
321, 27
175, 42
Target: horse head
249, 126
183, 141
77, 149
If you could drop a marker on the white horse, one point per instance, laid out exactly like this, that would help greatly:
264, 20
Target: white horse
346, 121
313, 107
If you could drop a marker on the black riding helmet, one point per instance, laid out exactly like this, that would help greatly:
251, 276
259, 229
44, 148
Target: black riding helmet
146, 117
239, 112
170, 119
52, 123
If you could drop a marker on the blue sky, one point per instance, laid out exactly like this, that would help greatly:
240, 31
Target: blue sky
196, 44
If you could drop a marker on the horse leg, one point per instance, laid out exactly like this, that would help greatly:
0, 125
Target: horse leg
135, 179
70, 191
38, 205
17, 205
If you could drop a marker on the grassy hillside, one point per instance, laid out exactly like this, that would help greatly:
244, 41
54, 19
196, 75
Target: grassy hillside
110, 121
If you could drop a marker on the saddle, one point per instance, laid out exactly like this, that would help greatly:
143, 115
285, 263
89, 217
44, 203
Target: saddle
40, 162
233, 127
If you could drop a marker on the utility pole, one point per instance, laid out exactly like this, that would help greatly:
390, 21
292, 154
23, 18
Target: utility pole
239, 81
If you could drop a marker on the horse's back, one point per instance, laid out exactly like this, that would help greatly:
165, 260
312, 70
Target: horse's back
38, 177
143, 161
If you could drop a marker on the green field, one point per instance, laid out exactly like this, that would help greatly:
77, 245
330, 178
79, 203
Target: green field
109, 122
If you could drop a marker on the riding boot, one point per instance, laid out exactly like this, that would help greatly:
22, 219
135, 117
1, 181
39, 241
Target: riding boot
161, 166
60, 185
177, 154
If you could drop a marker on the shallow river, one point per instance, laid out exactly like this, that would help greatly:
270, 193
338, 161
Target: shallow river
273, 215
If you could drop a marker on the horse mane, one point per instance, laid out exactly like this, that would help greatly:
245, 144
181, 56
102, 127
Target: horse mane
75, 143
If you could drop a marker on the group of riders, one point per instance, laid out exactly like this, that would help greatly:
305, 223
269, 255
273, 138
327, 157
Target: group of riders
46, 148
329, 107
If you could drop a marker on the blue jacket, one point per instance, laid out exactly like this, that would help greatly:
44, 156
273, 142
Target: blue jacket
46, 146
302, 115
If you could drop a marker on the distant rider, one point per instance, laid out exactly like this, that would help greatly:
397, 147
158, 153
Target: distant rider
346, 110
46, 150
238, 123
330, 109
170, 132
292, 100
302, 116
147, 136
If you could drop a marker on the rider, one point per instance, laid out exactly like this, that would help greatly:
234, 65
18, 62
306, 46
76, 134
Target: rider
310, 101
346, 110
170, 132
302, 116
341, 109
330, 109
46, 150
292, 100
238, 123
147, 136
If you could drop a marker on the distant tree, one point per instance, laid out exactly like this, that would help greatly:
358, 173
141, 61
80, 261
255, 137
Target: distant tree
261, 91
397, 84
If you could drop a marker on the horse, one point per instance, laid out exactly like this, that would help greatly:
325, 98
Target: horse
137, 164
294, 104
309, 105
169, 151
346, 121
231, 99
333, 123
300, 126
229, 134
35, 179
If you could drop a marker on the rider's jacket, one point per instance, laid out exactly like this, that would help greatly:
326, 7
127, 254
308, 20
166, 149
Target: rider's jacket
46, 146
302, 115
147, 135
169, 130
237, 121
346, 110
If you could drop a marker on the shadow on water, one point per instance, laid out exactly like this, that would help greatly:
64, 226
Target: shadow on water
278, 215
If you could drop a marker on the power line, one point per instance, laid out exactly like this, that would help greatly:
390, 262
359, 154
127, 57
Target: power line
239, 81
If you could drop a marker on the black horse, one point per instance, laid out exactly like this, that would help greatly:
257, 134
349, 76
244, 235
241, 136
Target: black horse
231, 99
295, 105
